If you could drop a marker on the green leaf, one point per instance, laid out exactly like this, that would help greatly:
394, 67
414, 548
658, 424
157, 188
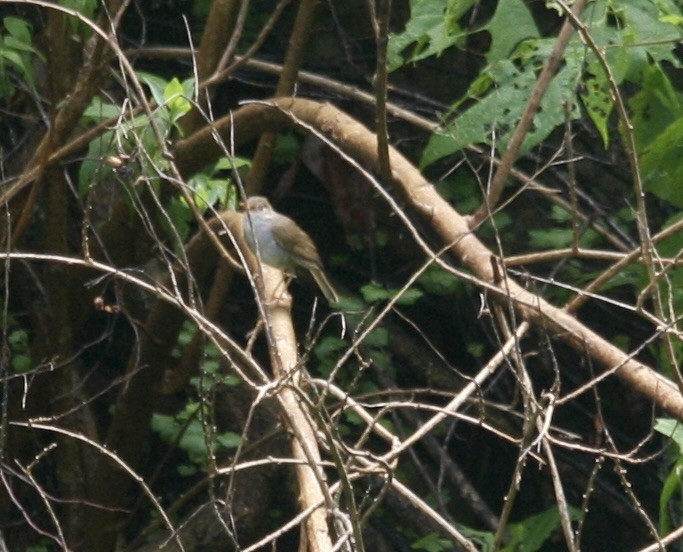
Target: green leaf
175, 100
654, 106
232, 163
436, 281
374, 292
286, 150
231, 379
20, 46
101, 111
672, 486
597, 100
550, 238
186, 470
22, 363
18, 340
432, 543
672, 429
329, 346
211, 366
209, 192
181, 217
18, 29
494, 117
532, 533
673, 245
409, 297
504, 36
661, 167
431, 29
16, 60
647, 35
379, 337
84, 7
228, 440
93, 167
351, 305
156, 85
187, 333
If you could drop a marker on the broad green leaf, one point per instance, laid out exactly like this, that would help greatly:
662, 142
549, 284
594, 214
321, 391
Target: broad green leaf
432, 543
661, 166
101, 111
232, 163
597, 99
374, 292
21, 363
431, 29
550, 238
648, 36
175, 100
673, 485
156, 85
181, 217
20, 46
18, 28
672, 429
93, 168
229, 440
436, 281
495, 117
329, 346
379, 337
533, 532
208, 191
84, 7
504, 36
16, 60
409, 297
18, 340
626, 31
654, 106
673, 245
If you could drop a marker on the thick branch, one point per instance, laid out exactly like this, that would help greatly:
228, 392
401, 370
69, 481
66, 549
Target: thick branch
284, 359
358, 142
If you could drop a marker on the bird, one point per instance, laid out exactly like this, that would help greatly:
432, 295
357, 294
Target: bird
279, 242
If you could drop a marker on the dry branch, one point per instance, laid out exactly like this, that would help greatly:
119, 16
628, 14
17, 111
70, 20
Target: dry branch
358, 142
284, 360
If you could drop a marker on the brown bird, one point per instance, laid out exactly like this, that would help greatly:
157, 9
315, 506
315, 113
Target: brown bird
282, 244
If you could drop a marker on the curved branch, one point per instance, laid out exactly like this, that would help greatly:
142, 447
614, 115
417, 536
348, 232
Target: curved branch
358, 142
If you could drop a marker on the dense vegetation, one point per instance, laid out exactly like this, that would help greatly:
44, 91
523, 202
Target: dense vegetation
495, 191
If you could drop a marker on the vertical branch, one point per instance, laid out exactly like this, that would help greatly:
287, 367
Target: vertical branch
219, 28
381, 27
62, 388
573, 197
130, 425
299, 39
284, 358
94, 69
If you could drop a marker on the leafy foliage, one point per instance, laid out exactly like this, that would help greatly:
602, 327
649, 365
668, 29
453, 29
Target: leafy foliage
496, 99
112, 287
16, 55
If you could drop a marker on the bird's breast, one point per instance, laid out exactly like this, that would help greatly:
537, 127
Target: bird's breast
259, 236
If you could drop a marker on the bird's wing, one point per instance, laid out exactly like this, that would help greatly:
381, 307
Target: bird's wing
291, 238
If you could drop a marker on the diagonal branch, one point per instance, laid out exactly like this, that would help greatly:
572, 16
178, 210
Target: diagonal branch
357, 142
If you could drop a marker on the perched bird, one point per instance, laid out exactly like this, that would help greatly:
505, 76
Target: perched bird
282, 244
